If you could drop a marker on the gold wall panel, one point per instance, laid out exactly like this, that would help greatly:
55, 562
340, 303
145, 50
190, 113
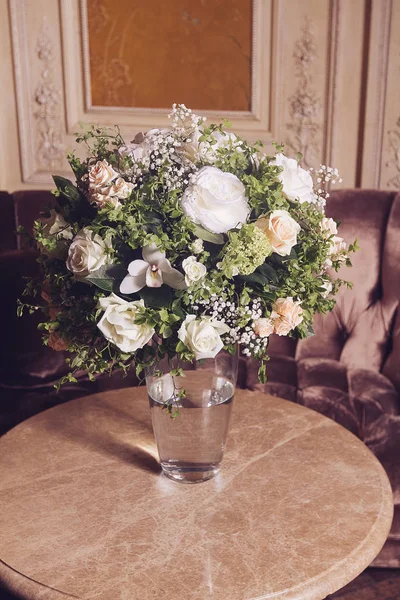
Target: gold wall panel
150, 54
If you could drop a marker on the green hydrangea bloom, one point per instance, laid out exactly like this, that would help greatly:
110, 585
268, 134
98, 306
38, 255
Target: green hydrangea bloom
247, 249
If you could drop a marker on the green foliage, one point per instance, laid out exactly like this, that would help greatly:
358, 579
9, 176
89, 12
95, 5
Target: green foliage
240, 265
246, 250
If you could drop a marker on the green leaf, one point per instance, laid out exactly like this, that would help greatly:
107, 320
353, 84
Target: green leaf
262, 373
269, 272
207, 236
156, 297
107, 277
67, 188
255, 278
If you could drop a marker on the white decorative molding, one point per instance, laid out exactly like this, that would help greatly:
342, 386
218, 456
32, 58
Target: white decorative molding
305, 102
379, 43
47, 98
331, 97
394, 160
21, 66
39, 110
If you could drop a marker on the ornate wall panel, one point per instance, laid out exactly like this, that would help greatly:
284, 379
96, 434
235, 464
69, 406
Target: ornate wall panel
390, 164
39, 88
322, 76
376, 100
151, 54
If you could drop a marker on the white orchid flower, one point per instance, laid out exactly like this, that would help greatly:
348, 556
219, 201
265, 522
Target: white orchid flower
152, 271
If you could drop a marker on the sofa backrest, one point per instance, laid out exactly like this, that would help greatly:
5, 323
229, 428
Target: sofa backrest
363, 330
27, 206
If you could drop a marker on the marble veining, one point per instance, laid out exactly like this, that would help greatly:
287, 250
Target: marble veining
299, 509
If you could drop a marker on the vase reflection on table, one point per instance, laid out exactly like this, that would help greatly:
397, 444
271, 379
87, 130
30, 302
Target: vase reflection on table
191, 426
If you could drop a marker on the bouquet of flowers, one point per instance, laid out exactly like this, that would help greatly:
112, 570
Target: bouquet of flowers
183, 242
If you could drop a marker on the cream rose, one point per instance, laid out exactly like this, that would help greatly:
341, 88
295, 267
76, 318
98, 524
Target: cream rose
121, 189
281, 230
196, 150
327, 286
337, 246
216, 200
202, 336
137, 152
286, 314
55, 226
87, 253
297, 183
58, 226
101, 175
263, 327
197, 246
328, 227
55, 342
194, 270
118, 324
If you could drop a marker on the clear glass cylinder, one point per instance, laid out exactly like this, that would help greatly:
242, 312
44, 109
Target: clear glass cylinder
191, 414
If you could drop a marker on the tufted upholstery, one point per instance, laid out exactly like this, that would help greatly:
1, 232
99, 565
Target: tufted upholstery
350, 370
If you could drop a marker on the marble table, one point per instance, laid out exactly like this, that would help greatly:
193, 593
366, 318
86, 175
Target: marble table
299, 509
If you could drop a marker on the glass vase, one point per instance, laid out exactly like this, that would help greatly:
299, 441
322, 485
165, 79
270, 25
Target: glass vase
191, 414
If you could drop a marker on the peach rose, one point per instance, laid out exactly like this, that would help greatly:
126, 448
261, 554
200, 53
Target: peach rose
281, 230
287, 315
45, 294
101, 174
121, 189
56, 342
263, 327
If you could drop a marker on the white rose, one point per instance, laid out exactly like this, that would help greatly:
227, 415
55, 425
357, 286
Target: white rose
191, 149
327, 286
202, 336
263, 327
138, 153
196, 150
197, 246
328, 227
121, 189
194, 270
337, 246
118, 324
87, 253
297, 183
56, 226
281, 230
101, 175
216, 200
257, 159
107, 301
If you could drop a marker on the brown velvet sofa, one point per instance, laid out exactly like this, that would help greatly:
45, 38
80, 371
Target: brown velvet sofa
349, 371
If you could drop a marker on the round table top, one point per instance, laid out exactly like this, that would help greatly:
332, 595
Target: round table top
299, 508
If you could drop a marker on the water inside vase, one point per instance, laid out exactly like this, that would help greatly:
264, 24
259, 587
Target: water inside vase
191, 446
